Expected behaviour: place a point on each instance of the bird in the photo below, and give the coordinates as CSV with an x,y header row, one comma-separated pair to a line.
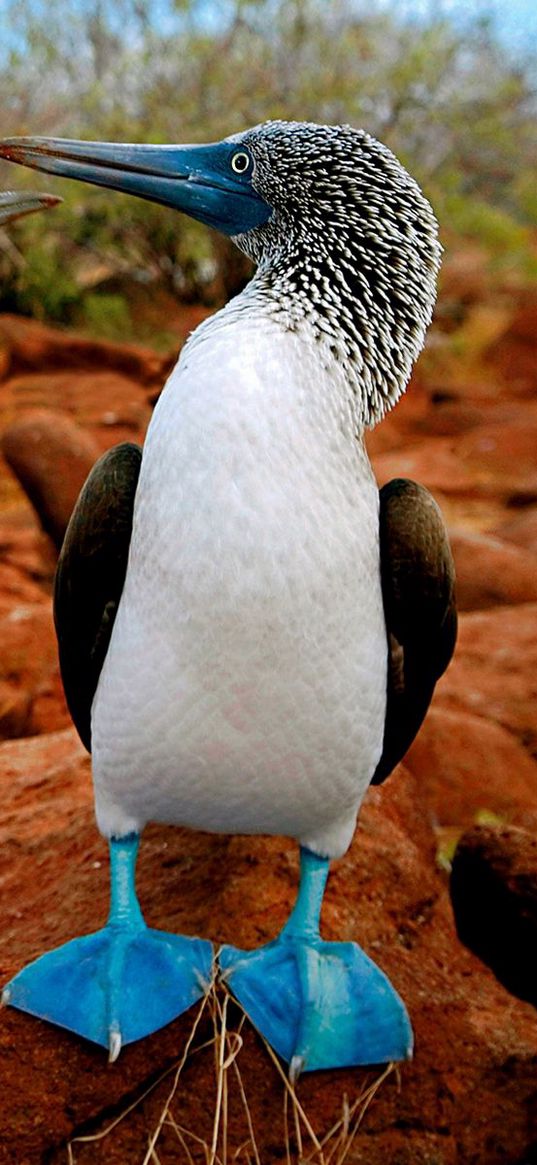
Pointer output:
x,y
15,204
249,631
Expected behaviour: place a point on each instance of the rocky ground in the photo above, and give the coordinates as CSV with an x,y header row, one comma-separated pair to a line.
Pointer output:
x,y
466,797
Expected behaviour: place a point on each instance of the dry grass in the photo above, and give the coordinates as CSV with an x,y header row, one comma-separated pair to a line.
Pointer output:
x,y
301,1144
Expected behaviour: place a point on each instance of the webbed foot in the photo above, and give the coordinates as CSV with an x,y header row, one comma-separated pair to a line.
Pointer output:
x,y
121,983
319,1004
116,985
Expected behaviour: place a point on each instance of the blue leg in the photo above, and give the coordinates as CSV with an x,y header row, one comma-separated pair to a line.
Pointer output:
x,y
319,1005
121,983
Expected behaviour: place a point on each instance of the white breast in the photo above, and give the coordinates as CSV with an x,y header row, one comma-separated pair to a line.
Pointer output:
x,y
244,686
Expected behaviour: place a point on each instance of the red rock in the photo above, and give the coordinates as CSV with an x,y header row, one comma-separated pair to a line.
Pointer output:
x,y
494,895
4,358
33,346
465,764
449,418
385,438
48,709
51,457
461,1100
46,786
513,353
29,665
402,422
14,710
16,586
504,456
24,547
432,463
490,572
497,459
464,276
494,671
520,529
112,407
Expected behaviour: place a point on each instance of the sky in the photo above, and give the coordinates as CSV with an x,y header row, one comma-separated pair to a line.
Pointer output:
x,y
515,21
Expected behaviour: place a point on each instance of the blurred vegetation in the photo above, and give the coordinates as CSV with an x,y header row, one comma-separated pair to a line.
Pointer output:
x,y
449,100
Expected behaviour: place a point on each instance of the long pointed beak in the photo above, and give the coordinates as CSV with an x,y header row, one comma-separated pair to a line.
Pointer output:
x,y
15,204
198,180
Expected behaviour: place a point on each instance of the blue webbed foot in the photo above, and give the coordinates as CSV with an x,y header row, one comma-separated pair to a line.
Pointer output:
x,y
318,1004
121,983
114,986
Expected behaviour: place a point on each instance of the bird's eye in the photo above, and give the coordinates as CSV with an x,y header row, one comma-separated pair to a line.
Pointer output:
x,y
240,162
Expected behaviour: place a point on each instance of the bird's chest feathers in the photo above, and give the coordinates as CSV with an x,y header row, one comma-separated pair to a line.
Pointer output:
x,y
253,598
253,488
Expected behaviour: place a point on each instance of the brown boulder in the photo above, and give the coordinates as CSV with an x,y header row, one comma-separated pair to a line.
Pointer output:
x,y
4,358
494,671
33,346
16,584
466,765
494,895
51,457
466,1097
495,459
29,668
15,706
449,418
24,547
513,352
520,529
490,572
504,456
433,463
111,406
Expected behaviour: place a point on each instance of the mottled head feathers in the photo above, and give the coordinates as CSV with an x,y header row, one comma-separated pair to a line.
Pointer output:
x,y
351,249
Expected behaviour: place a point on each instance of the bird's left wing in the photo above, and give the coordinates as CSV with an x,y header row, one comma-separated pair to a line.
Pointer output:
x,y
90,576
418,588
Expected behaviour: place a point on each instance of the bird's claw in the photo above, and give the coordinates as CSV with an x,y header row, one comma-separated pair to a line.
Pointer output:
x,y
114,1044
295,1068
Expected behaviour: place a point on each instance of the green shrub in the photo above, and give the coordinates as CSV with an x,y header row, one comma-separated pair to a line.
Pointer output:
x,y
105,315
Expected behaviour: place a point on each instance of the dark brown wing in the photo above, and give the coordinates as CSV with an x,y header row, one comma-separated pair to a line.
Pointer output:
x,y
418,587
90,576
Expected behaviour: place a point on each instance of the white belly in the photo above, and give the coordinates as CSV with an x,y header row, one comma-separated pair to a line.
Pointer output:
x,y
244,686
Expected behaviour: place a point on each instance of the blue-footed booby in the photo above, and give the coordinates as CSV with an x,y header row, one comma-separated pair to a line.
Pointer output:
x,y
249,633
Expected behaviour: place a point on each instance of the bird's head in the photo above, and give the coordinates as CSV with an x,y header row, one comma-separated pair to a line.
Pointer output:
x,y
344,239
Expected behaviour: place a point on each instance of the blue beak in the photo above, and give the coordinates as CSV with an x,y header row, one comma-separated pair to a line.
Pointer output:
x,y
198,180
16,204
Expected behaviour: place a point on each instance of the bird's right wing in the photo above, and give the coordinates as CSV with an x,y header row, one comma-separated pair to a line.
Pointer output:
x,y
418,589
90,576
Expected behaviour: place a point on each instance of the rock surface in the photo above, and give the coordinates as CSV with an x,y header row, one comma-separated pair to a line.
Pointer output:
x,y
29,668
521,529
29,346
51,457
467,765
491,573
494,672
476,1047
